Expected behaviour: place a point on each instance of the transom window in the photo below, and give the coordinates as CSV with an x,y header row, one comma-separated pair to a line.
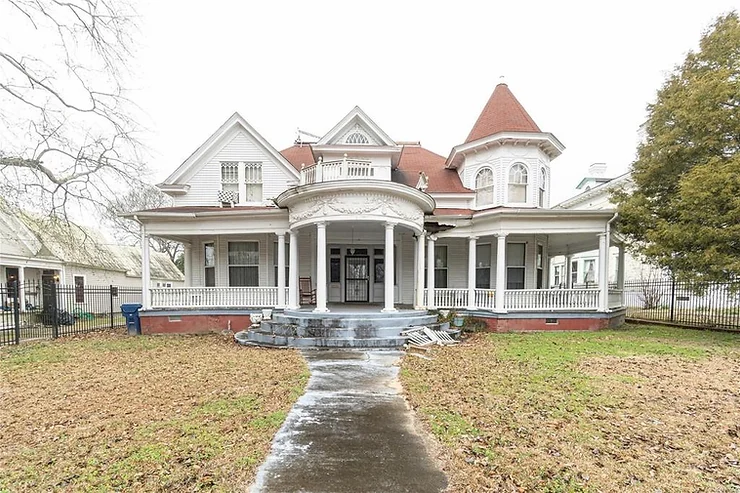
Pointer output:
x,y
515,258
356,138
484,187
518,183
253,180
230,178
244,261
543,185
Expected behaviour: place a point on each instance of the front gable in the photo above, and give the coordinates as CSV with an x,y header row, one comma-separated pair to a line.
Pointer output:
x,y
356,128
198,180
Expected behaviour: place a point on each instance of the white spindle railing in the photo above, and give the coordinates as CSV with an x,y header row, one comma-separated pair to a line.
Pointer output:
x,y
485,299
221,297
551,299
448,298
616,298
343,169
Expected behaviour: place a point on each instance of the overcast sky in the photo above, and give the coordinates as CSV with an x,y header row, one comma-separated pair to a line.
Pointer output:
x,y
422,70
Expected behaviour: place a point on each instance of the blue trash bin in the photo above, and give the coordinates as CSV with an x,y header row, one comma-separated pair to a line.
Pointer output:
x,y
131,314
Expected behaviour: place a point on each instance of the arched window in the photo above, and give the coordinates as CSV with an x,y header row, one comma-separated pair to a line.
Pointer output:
x,y
518,183
484,187
357,138
543,187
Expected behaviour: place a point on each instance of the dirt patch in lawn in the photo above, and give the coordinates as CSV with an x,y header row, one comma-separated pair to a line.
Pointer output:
x,y
635,410
111,412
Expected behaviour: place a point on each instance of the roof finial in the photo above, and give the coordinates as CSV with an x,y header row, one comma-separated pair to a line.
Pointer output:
x,y
501,80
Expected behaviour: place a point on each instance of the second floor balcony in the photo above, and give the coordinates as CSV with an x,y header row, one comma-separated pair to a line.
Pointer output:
x,y
343,169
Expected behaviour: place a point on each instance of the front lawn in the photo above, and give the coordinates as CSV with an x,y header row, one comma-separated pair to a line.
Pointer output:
x,y
111,412
641,409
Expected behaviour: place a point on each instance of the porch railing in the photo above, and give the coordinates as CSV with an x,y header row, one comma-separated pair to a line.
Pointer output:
x,y
220,297
485,299
551,299
343,169
448,298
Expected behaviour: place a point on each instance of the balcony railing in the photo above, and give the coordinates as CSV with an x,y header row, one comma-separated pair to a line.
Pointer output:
x,y
343,169
221,297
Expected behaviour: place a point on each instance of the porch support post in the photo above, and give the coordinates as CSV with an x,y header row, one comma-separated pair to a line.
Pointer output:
x,y
321,267
472,243
603,272
294,272
419,271
500,272
21,288
430,271
620,267
568,273
281,270
145,272
389,268
188,262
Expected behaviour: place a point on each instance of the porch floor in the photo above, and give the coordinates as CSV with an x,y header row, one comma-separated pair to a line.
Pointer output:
x,y
356,308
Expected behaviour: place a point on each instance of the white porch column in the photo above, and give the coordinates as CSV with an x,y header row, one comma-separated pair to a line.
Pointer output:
x,y
293,301
568,271
21,287
603,272
472,242
145,272
620,267
419,271
500,272
281,270
389,268
321,267
430,271
187,256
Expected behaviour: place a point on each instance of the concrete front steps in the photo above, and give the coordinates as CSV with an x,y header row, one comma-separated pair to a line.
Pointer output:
x,y
337,330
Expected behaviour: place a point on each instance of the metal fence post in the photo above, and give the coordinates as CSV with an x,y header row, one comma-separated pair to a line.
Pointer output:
x,y
16,311
673,294
110,293
54,310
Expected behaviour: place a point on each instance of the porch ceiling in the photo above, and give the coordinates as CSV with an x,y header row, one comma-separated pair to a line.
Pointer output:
x,y
564,244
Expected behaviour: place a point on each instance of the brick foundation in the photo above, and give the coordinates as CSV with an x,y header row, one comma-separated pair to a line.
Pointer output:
x,y
540,324
192,324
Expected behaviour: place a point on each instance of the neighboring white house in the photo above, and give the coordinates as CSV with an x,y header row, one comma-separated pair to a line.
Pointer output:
x,y
41,250
476,227
582,268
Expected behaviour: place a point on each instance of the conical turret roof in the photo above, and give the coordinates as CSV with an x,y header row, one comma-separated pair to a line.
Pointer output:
x,y
502,113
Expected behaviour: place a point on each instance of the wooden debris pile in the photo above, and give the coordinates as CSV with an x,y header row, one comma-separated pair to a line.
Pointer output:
x,y
422,339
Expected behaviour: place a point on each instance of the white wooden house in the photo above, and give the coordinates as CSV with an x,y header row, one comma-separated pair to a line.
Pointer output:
x,y
472,232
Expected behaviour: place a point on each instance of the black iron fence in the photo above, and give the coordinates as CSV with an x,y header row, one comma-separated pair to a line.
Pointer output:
x,y
713,305
45,311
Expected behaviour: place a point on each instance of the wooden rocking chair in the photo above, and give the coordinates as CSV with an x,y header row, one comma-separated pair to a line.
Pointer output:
x,y
307,293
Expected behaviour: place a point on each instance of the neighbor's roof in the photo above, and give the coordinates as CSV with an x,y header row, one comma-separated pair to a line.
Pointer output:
x,y
79,245
502,113
415,159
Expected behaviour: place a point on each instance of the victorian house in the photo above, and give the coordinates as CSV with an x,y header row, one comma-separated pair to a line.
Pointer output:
x,y
357,219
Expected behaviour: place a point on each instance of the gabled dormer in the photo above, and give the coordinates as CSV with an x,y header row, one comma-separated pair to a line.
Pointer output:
x,y
234,166
506,157
357,147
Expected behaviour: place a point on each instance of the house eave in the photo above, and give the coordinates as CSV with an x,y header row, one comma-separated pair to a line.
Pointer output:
x,y
545,141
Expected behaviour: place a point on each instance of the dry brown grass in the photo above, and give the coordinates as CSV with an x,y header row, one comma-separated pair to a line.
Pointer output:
x,y
110,412
643,410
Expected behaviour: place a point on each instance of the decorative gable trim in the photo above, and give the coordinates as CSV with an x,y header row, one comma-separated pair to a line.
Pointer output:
x,y
356,121
196,159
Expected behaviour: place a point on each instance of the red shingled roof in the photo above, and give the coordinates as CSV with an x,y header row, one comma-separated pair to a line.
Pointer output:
x,y
415,159
299,154
502,113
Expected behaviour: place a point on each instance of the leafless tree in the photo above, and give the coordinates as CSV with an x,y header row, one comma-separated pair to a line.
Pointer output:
x,y
127,231
68,131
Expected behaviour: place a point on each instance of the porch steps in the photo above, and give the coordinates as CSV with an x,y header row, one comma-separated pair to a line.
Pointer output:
x,y
338,330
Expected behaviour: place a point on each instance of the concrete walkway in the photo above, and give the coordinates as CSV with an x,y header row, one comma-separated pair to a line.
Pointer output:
x,y
350,432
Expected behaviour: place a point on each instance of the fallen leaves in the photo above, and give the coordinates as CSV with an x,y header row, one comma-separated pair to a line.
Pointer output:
x,y
112,412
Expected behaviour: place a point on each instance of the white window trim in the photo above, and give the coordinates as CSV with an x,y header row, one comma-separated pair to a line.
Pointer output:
x,y
493,187
258,264
215,261
243,182
527,185
74,286
523,266
490,263
542,190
